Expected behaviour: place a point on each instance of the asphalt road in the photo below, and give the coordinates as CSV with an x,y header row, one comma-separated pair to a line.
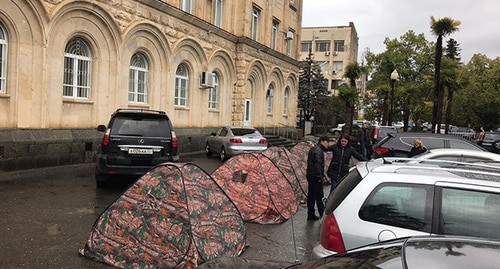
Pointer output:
x,y
46,216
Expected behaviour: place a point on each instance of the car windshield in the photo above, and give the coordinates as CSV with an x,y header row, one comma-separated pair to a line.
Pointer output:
x,y
149,127
243,131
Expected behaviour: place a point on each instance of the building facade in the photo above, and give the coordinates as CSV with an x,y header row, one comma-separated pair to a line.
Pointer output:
x,y
67,65
333,48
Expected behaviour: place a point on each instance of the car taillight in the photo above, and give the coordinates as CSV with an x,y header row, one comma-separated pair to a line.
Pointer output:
x,y
331,238
381,151
481,137
375,133
263,141
235,141
174,140
105,138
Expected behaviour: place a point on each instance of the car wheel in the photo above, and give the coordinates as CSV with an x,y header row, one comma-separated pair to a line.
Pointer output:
x,y
223,156
101,181
496,144
207,150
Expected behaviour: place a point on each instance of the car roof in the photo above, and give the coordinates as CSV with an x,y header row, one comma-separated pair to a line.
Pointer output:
x,y
458,172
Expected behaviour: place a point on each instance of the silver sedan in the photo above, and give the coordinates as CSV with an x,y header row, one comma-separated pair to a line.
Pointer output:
x,y
230,141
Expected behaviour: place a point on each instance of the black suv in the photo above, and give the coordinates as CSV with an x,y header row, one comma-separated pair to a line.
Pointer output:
x,y
135,141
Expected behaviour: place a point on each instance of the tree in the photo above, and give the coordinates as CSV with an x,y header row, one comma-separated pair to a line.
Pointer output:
x,y
440,28
411,55
352,72
312,87
450,72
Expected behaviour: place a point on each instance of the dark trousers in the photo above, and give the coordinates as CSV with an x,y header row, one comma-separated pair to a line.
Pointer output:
x,y
315,195
333,185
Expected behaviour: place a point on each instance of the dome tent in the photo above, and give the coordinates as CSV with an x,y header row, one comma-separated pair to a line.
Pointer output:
x,y
260,190
175,216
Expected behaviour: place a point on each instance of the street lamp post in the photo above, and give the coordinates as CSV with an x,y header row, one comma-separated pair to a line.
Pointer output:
x,y
394,77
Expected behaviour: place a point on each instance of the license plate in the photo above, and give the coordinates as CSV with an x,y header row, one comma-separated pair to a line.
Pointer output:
x,y
140,151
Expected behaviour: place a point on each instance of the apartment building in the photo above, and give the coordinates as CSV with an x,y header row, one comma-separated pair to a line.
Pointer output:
x,y
332,47
67,65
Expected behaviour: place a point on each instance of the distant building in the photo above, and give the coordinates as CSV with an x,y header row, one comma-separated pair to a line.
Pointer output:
x,y
67,65
333,47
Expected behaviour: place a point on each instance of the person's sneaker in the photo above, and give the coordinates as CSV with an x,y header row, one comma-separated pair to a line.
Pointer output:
x,y
313,217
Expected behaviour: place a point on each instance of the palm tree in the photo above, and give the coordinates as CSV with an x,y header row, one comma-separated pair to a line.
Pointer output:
x,y
440,28
352,72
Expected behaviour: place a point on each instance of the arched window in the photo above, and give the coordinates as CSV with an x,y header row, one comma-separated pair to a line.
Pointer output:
x,y
3,60
138,79
270,98
213,93
286,98
77,69
181,85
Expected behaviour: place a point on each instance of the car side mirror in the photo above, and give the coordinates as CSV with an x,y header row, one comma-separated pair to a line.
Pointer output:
x,y
101,128
212,134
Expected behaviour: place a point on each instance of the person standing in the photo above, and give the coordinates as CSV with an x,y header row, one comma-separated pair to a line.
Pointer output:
x,y
364,139
314,174
339,166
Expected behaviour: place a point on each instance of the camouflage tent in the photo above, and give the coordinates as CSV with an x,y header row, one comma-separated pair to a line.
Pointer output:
x,y
260,190
290,166
175,216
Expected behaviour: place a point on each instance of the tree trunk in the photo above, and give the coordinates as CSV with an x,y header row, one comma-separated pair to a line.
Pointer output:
x,y
447,118
438,95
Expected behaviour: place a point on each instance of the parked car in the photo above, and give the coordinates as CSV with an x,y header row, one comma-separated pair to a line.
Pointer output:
x,y
337,131
458,155
399,145
229,141
464,132
134,141
490,141
453,252
381,200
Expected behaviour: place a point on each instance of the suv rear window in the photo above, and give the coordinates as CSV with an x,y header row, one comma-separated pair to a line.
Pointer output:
x,y
148,127
490,136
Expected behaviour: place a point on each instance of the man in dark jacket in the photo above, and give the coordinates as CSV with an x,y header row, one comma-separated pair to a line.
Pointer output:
x,y
364,140
339,166
314,174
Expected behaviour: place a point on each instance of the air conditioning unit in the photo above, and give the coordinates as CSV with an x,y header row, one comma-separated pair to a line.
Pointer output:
x,y
289,35
207,79
327,53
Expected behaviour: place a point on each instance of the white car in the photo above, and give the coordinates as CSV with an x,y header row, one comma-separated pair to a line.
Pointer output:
x,y
381,200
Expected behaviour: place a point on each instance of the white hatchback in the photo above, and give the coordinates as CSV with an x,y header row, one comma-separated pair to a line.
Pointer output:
x,y
381,200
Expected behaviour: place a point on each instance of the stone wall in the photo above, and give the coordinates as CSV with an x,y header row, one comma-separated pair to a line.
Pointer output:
x,y
36,148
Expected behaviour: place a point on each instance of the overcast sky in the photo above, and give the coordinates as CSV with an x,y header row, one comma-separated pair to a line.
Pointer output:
x,y
377,19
